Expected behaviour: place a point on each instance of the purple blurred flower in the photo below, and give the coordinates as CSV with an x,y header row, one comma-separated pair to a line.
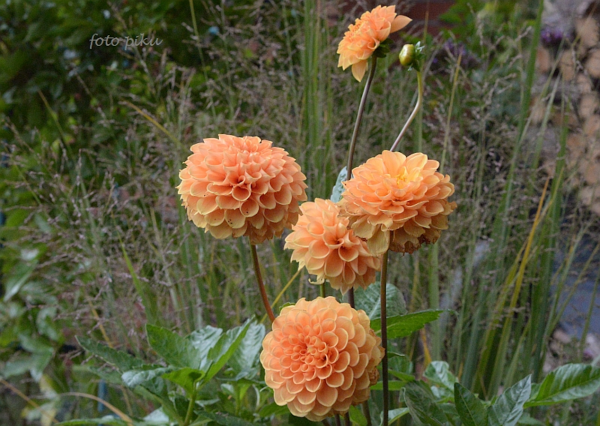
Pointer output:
x,y
552,36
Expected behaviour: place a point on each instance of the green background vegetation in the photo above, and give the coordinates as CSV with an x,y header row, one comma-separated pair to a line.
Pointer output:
x,y
95,244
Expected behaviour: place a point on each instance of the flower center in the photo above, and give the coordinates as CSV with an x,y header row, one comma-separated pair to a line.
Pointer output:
x,y
403,177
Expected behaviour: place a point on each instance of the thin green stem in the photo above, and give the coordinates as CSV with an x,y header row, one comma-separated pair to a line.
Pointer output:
x,y
190,410
359,116
323,290
414,113
434,301
338,420
347,419
384,363
261,284
361,110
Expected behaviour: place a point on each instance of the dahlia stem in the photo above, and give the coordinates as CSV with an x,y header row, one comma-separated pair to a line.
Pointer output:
x,y
361,110
323,291
384,363
414,113
359,116
261,284
338,421
347,419
190,410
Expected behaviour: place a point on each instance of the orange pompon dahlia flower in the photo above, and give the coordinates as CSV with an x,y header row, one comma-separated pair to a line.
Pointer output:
x,y
321,357
365,35
398,202
235,186
322,242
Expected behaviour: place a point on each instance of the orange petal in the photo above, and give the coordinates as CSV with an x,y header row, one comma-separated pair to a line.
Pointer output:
x,y
400,22
358,70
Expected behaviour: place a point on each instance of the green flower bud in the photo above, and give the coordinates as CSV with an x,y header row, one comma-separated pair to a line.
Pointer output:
x,y
407,55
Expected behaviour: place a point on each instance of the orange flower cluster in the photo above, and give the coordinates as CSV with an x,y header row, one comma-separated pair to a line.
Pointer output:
x,y
323,242
235,187
321,357
398,202
365,35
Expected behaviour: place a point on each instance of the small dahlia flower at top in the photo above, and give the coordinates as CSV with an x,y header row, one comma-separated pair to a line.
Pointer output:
x,y
241,186
398,202
365,35
322,241
321,358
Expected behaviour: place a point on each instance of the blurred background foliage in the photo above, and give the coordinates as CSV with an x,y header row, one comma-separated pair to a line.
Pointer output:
x,y
94,243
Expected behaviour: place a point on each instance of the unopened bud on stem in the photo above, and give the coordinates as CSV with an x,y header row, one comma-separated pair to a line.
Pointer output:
x,y
407,55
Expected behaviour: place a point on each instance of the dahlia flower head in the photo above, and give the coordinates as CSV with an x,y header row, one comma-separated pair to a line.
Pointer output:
x,y
323,242
241,186
397,202
321,358
365,35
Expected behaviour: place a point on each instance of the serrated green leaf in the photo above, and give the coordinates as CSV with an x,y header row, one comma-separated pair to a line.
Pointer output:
x,y
121,360
400,362
174,349
571,381
273,409
394,385
357,416
158,418
508,408
338,189
245,358
451,413
109,376
135,378
369,301
185,377
224,349
471,410
160,398
422,407
438,372
526,419
394,414
403,377
405,325
204,340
